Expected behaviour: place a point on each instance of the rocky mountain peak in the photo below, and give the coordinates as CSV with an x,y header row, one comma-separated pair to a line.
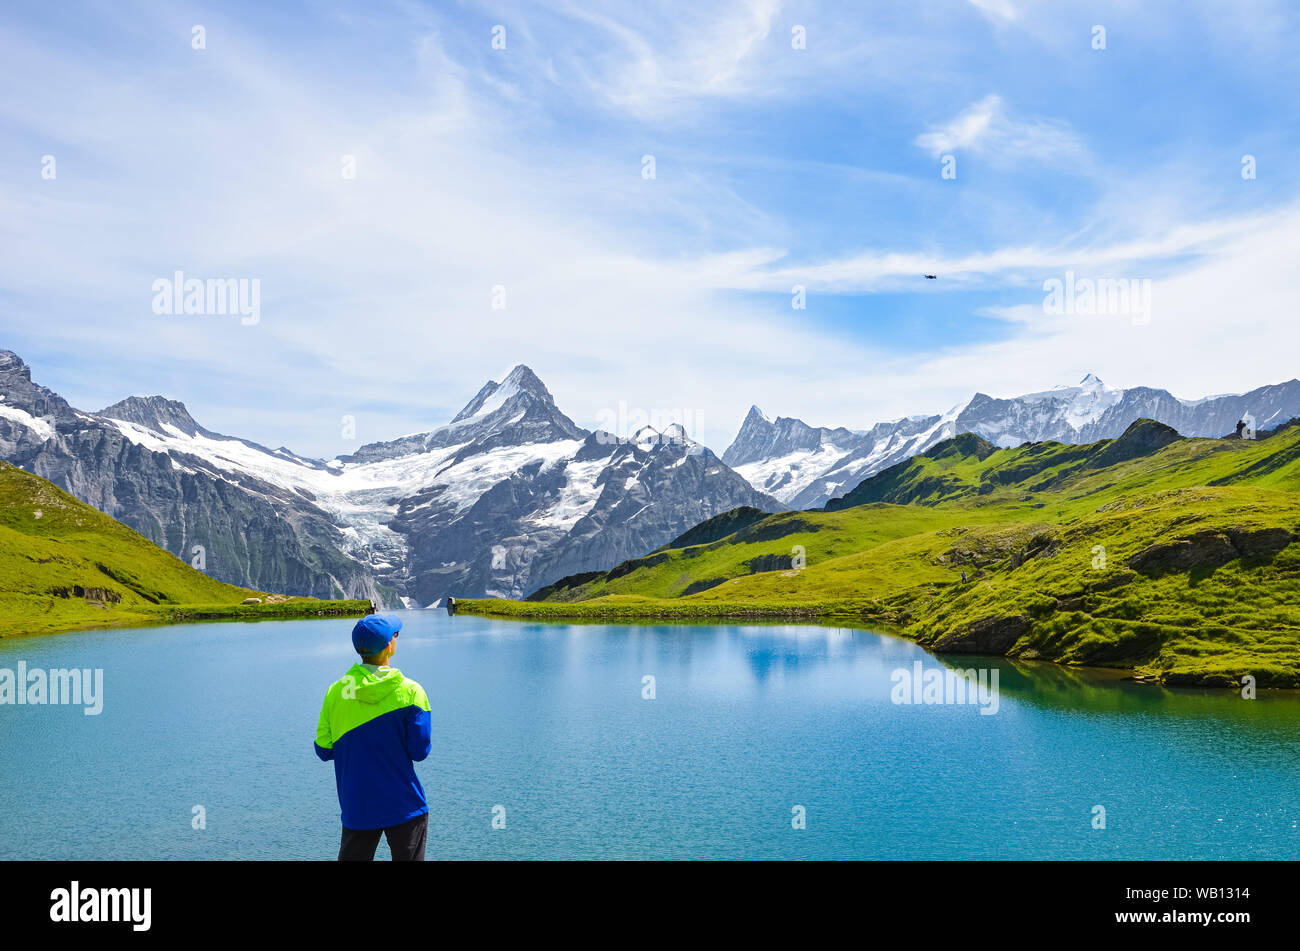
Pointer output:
x,y
524,379
762,437
472,407
492,396
154,412
515,412
17,390
676,433
646,437
11,361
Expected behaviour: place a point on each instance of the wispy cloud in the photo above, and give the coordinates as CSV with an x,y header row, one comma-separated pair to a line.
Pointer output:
x,y
985,128
997,9
655,58
869,271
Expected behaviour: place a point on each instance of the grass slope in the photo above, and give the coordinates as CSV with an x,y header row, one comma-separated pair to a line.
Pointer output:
x,y
1173,556
67,566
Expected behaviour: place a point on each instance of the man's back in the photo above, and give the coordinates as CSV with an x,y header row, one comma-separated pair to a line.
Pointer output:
x,y
373,724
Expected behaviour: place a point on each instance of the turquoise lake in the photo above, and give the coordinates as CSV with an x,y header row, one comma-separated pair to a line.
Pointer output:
x,y
549,721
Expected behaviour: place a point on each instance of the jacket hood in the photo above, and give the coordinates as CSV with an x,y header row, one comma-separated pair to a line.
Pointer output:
x,y
372,686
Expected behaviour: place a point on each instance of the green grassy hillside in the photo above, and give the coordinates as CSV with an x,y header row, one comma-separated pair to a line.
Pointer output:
x,y
1173,556
66,566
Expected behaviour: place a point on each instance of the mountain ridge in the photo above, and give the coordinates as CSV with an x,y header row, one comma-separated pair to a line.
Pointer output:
x,y
805,467
507,491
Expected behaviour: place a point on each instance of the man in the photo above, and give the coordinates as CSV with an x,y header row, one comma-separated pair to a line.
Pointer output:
x,y
374,724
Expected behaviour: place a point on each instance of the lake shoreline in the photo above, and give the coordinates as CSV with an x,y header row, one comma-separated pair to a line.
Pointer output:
x,y
635,610
303,609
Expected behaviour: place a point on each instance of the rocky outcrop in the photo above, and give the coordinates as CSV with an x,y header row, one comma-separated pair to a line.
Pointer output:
x,y
1210,549
704,584
1260,543
761,563
1042,545
993,635
94,595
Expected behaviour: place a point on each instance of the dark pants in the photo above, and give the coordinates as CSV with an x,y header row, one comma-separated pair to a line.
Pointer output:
x,y
406,841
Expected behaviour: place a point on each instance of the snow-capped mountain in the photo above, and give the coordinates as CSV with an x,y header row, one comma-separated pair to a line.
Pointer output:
x,y
805,467
511,495
216,502
506,497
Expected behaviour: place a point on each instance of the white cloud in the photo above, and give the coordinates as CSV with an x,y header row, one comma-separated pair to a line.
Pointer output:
x,y
889,270
985,128
653,58
997,9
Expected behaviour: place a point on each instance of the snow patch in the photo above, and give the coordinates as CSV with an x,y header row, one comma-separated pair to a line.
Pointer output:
x,y
37,425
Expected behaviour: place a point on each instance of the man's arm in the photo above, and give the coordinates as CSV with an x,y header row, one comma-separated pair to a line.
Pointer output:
x,y
324,739
419,727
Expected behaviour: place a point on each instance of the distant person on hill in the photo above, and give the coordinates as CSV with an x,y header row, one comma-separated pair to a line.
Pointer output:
x,y
374,724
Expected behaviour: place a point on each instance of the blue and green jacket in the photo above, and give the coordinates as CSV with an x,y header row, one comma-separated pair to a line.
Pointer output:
x,y
373,724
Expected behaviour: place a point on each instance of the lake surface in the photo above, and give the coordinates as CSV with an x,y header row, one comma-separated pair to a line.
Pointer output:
x,y
549,721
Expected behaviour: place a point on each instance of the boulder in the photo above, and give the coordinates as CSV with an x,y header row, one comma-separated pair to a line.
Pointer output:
x,y
1210,549
1262,543
992,635
760,563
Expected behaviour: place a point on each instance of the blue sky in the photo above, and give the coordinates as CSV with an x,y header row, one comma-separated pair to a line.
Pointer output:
x,y
522,168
